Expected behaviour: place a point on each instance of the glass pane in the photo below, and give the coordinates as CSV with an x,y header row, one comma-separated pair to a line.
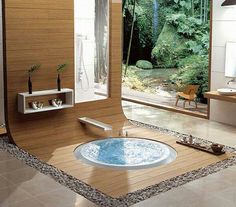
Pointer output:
x,y
91,49
166,53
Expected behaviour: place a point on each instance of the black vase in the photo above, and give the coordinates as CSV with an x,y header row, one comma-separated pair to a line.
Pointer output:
x,y
30,85
58,82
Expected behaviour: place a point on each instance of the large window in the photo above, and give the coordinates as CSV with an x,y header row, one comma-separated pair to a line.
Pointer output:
x,y
166,50
91,49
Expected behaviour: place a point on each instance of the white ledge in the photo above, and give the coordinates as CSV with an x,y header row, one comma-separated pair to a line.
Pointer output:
x,y
95,123
46,92
23,100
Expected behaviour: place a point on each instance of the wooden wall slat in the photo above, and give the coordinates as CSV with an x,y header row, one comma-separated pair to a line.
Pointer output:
x,y
42,31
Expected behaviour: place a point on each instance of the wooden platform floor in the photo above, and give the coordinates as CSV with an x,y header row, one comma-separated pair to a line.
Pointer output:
x,y
2,130
116,183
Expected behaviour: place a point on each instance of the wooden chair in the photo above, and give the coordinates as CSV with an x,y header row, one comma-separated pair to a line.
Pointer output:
x,y
189,94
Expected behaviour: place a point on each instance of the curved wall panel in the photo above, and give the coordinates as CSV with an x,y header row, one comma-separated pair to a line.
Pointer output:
x,y
42,31
1,75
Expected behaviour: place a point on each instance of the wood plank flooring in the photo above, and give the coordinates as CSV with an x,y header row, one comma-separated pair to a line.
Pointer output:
x,y
2,130
116,183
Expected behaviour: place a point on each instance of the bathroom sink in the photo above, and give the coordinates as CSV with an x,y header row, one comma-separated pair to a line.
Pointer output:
x,y
227,91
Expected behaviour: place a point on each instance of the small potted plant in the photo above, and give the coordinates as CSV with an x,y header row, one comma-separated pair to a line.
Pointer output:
x,y
60,69
31,70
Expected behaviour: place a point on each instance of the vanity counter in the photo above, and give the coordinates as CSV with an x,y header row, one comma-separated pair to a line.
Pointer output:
x,y
217,96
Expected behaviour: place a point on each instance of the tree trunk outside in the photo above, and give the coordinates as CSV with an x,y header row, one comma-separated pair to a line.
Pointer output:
x,y
130,40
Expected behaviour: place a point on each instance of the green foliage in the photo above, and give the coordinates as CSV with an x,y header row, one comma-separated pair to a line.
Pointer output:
x,y
182,40
190,27
170,47
186,26
33,68
144,20
193,70
200,45
184,6
137,82
197,8
143,37
144,64
61,67
193,30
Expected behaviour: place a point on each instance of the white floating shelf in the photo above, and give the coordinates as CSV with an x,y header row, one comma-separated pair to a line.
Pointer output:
x,y
23,104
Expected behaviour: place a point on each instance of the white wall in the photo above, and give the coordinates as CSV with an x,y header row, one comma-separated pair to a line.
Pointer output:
x,y
1,73
224,30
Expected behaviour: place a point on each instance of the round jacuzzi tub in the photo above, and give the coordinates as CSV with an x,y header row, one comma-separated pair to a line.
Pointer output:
x,y
126,153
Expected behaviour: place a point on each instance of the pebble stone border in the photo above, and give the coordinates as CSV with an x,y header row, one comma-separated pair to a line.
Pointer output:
x,y
129,199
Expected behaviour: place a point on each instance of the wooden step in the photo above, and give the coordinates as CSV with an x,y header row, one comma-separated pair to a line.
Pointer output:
x,y
95,123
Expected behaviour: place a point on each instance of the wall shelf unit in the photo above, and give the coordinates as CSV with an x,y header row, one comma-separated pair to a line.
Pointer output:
x,y
215,95
66,95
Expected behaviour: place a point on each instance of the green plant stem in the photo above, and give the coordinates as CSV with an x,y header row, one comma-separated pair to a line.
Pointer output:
x,y
193,8
123,5
201,13
130,40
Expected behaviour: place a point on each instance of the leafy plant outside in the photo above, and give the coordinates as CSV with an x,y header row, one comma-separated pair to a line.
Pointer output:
x,y
180,41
